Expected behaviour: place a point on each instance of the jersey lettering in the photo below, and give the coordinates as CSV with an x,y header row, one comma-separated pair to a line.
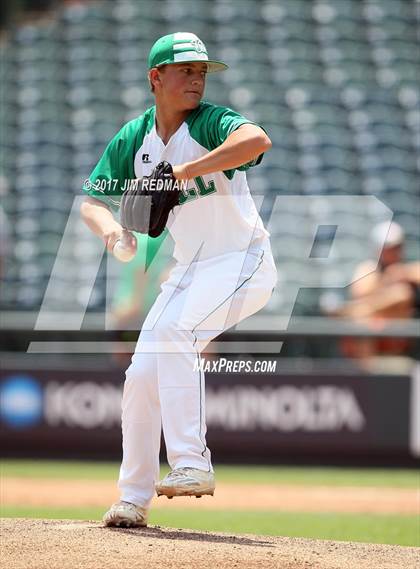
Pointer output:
x,y
201,191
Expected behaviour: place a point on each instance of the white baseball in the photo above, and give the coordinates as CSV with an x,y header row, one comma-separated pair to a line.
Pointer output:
x,y
125,248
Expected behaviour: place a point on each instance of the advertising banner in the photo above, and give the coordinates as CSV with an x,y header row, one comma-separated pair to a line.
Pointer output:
x,y
271,417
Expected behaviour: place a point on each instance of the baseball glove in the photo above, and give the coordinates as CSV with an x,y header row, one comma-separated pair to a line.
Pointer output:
x,y
146,204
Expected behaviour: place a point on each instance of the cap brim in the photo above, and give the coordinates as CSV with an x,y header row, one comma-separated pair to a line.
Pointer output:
x,y
212,65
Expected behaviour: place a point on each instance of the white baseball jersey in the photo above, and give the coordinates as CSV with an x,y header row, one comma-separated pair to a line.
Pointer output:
x,y
217,214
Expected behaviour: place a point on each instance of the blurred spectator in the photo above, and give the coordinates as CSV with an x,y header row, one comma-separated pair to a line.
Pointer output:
x,y
138,287
5,228
5,242
139,283
389,290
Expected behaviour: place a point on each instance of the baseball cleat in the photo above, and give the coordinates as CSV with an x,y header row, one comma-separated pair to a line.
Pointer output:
x,y
125,514
186,482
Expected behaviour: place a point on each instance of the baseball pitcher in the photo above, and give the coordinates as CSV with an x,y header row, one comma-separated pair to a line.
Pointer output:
x,y
188,160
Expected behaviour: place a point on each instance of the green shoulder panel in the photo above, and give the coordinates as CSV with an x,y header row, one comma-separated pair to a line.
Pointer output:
x,y
116,164
210,125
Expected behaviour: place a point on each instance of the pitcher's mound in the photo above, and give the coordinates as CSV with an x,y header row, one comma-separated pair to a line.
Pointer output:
x,y
68,544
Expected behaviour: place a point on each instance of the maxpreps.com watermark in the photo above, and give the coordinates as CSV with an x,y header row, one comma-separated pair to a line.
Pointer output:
x,y
224,365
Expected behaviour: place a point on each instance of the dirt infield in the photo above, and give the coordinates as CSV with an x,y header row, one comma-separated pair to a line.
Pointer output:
x,y
44,492
64,544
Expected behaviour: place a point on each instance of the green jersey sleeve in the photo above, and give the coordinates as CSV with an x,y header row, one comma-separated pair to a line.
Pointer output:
x,y
116,165
222,121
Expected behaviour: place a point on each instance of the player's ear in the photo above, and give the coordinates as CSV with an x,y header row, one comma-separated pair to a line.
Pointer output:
x,y
154,78
149,77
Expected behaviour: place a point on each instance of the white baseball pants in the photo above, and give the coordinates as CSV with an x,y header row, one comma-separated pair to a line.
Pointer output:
x,y
162,388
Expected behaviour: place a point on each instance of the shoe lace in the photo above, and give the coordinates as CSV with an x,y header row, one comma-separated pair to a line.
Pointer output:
x,y
126,504
179,472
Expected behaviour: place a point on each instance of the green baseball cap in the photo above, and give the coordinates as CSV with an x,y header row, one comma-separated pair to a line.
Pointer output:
x,y
182,47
